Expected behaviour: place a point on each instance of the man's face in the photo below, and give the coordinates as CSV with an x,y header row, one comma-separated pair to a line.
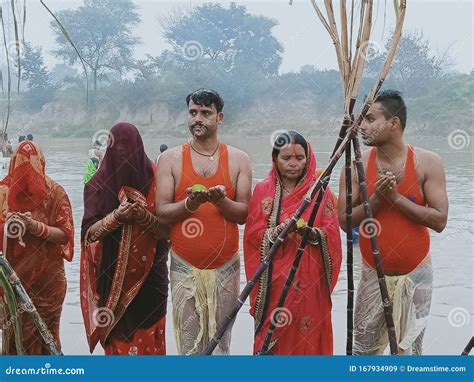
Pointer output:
x,y
291,161
374,127
203,120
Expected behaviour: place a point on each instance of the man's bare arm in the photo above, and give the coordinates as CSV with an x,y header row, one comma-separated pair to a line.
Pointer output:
x,y
167,211
236,211
435,214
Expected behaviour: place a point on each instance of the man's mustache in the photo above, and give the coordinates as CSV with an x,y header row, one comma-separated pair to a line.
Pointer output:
x,y
199,125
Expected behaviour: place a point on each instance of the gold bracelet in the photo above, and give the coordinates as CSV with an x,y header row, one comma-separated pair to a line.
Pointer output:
x,y
186,206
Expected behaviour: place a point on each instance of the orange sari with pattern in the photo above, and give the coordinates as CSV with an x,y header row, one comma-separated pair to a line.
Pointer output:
x,y
39,264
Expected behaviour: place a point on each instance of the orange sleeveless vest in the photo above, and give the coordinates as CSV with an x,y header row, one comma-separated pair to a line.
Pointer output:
x,y
206,239
403,243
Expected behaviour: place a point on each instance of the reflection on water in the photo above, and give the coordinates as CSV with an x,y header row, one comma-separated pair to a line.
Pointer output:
x,y
450,324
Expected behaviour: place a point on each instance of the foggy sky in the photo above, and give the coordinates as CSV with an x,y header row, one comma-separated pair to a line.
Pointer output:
x,y
447,25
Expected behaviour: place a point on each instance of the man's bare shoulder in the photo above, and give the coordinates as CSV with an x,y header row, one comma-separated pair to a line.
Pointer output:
x,y
237,154
171,156
425,157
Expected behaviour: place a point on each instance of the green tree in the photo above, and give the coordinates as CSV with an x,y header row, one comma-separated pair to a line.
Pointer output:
x,y
102,32
37,77
226,37
414,66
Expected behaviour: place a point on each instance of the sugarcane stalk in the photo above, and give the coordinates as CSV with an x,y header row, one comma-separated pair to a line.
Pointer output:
x,y
324,175
13,315
468,347
9,77
294,267
387,304
28,306
349,259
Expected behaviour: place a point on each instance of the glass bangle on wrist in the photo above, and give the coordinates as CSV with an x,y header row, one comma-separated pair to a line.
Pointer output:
x,y
186,206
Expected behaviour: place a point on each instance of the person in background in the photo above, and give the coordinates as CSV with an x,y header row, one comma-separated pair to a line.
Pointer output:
x,y
163,148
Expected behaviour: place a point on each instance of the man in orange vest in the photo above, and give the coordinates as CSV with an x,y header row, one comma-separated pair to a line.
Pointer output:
x,y
203,188
407,189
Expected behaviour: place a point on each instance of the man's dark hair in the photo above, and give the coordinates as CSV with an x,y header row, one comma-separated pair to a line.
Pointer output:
x,y
163,148
29,137
393,105
206,97
21,138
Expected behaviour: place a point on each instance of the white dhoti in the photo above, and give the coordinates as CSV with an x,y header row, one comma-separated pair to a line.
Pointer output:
x,y
201,298
411,300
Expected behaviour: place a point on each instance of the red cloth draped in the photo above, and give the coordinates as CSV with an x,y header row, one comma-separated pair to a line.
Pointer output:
x,y
149,341
40,264
307,326
124,277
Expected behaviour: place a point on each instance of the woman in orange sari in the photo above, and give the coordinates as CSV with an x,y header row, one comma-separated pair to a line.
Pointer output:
x,y
28,195
304,325
124,278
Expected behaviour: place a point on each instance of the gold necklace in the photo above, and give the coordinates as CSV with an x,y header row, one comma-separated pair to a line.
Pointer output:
x,y
398,175
211,156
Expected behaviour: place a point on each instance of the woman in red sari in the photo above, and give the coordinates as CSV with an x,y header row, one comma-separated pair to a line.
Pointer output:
x,y
304,324
37,257
124,278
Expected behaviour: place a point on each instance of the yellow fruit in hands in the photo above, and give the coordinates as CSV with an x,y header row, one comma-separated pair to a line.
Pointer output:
x,y
198,187
300,224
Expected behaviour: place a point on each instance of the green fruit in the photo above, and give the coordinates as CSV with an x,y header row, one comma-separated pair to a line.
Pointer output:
x,y
300,223
198,187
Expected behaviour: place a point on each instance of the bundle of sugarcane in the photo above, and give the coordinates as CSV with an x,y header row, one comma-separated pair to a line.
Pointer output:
x,y
351,69
14,290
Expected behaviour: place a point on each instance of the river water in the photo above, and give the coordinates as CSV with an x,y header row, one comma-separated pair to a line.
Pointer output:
x,y
451,318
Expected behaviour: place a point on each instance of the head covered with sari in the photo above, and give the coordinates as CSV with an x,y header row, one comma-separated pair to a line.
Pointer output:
x,y
26,179
38,263
106,280
268,208
27,188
